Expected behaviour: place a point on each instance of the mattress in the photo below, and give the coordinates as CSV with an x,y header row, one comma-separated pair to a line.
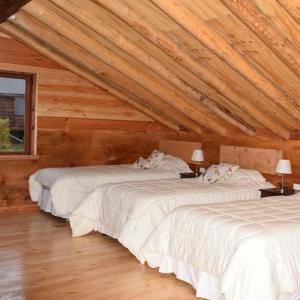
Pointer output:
x,y
69,186
250,248
130,211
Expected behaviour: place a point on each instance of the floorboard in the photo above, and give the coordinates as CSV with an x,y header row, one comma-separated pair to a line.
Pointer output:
x,y
39,261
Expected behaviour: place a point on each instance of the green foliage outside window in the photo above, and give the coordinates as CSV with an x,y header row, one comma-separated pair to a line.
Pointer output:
x,y
4,134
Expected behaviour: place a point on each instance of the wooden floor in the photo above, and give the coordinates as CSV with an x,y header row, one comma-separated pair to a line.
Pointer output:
x,y
40,260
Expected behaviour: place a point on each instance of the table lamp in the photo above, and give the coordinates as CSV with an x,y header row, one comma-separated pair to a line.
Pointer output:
x,y
197,156
283,167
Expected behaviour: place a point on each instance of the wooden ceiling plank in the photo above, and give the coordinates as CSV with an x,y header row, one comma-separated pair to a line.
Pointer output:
x,y
25,38
82,12
197,83
228,53
245,89
184,73
292,7
181,103
88,13
10,7
60,44
250,14
82,59
160,39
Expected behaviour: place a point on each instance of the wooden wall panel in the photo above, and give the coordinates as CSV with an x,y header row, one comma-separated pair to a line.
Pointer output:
x,y
95,107
78,124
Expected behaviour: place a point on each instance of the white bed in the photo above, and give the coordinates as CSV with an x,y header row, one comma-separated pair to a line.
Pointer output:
x,y
232,251
130,211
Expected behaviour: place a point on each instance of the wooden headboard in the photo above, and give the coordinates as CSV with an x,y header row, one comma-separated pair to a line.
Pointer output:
x,y
179,149
263,160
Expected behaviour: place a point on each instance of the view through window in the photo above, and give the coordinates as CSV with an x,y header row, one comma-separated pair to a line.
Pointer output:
x,y
15,113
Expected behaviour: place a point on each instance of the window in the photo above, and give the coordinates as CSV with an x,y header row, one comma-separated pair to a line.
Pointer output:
x,y
16,120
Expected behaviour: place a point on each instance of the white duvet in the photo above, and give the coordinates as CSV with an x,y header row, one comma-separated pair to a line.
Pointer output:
x,y
130,211
252,248
65,188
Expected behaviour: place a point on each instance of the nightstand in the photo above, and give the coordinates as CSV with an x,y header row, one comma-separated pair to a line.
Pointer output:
x,y
275,192
188,175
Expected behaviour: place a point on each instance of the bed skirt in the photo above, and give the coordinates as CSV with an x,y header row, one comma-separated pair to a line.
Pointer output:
x,y
45,203
42,197
205,284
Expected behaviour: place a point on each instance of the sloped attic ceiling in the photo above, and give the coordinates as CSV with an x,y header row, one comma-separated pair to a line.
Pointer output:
x,y
200,65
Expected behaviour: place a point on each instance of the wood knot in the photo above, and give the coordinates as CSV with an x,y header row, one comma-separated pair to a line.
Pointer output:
x,y
3,199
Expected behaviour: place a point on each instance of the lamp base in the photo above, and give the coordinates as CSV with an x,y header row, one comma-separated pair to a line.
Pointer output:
x,y
197,170
282,184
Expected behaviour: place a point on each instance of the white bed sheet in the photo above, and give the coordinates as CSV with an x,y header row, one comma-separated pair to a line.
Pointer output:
x,y
242,250
130,211
69,186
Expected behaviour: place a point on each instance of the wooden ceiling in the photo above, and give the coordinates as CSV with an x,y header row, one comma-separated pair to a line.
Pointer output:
x,y
209,65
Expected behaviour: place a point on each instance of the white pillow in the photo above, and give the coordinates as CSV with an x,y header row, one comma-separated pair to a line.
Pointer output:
x,y
155,158
141,163
172,163
210,175
245,176
218,173
226,170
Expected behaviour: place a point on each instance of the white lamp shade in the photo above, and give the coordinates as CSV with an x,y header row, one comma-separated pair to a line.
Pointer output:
x,y
283,167
198,155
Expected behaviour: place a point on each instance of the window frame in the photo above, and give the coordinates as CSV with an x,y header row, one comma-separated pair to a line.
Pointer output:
x,y
28,115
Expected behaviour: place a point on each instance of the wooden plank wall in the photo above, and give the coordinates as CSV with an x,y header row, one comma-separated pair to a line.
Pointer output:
x,y
78,124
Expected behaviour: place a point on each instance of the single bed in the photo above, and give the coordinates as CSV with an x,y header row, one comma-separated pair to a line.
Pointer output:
x,y
231,251
60,190
130,211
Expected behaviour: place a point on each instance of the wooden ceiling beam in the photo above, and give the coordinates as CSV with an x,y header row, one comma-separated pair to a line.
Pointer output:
x,y
229,54
82,12
37,45
160,39
249,13
246,128
180,102
55,43
10,7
